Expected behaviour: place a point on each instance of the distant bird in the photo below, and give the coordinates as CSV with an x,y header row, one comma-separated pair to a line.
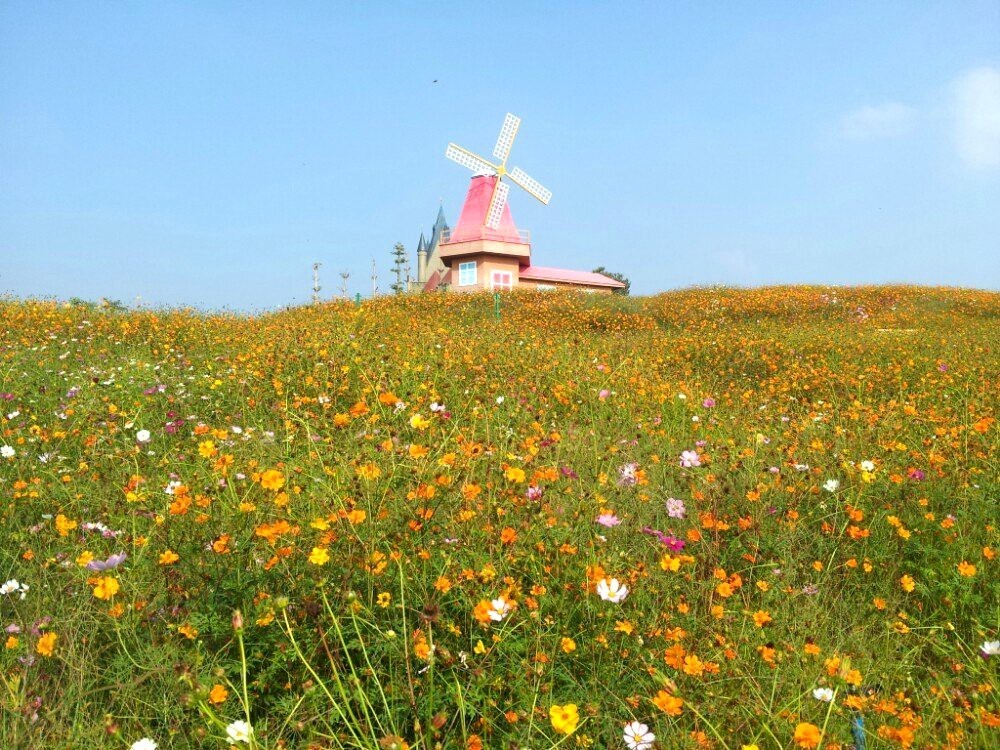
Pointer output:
x,y
435,80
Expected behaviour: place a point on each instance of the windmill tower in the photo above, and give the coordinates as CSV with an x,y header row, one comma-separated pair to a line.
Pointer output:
x,y
486,250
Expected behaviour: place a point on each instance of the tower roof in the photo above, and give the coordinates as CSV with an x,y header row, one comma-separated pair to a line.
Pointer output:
x,y
422,245
440,224
472,221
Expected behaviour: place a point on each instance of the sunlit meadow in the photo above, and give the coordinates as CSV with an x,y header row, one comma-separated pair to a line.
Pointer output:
x,y
705,519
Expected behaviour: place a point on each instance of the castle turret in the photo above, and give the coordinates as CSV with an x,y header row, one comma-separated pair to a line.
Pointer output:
x,y
422,260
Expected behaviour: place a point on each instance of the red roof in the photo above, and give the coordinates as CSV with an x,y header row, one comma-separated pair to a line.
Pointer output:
x,y
540,273
437,279
471,223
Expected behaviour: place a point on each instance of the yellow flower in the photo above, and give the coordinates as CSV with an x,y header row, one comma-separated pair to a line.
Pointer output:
x,y
64,525
272,479
564,718
206,449
106,587
568,645
12,642
514,474
419,422
907,583
46,645
319,556
169,557
217,694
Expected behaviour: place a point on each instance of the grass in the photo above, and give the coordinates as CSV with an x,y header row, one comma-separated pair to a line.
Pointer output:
x,y
376,526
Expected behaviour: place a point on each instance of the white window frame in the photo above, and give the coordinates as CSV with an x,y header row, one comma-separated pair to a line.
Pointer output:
x,y
468,274
501,285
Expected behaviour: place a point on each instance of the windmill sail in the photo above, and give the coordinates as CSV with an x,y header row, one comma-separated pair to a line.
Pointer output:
x,y
469,159
507,134
532,186
497,204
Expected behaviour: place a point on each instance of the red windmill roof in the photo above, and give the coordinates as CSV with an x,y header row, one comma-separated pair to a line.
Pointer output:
x,y
471,223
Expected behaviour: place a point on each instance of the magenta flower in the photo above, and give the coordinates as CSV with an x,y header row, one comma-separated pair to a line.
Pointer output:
x,y
708,403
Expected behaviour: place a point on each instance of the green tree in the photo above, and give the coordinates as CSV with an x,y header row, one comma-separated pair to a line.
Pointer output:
x,y
617,277
399,268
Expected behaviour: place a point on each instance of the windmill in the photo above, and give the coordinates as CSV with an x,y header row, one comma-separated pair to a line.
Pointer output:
x,y
501,151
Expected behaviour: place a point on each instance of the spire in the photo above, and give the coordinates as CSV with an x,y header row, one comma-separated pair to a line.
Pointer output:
x,y
440,224
422,245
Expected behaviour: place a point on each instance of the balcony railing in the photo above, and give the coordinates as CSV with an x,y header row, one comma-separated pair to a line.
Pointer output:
x,y
521,235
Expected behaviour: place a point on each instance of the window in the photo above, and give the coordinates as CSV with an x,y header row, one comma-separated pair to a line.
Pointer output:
x,y
502,280
467,273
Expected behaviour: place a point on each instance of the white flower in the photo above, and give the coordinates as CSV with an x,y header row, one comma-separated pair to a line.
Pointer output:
x,y
239,731
143,437
868,466
499,609
802,467
10,587
6,451
144,744
499,400
612,591
638,737
823,694
990,648
831,485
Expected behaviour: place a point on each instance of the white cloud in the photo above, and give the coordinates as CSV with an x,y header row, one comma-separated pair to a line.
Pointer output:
x,y
884,121
977,117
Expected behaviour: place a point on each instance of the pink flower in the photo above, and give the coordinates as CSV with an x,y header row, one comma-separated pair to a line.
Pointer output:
x,y
708,403
534,492
608,519
675,508
690,459
604,394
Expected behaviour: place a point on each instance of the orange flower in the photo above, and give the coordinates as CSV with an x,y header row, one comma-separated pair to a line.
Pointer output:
x,y
272,479
761,618
508,535
217,695
966,569
907,583
807,735
671,705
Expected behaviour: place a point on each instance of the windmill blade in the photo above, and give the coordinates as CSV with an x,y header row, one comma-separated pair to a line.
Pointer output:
x,y
497,203
532,186
469,159
507,133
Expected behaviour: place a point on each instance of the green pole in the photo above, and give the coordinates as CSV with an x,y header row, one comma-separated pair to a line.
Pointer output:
x,y
357,299
496,305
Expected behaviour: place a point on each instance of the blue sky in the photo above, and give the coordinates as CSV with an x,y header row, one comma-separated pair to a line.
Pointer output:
x,y
206,153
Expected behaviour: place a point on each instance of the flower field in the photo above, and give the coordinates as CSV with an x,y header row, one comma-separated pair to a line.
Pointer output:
x,y
705,519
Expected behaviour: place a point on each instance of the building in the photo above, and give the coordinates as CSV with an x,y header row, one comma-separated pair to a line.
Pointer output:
x,y
474,257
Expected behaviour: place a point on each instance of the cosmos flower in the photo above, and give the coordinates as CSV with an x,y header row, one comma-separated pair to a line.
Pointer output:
x,y
144,744
239,731
608,519
675,508
868,466
499,609
142,436
989,648
824,694
690,459
831,485
612,590
99,566
564,718
7,452
638,737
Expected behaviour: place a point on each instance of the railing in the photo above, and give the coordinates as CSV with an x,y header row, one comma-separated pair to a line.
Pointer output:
x,y
521,235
